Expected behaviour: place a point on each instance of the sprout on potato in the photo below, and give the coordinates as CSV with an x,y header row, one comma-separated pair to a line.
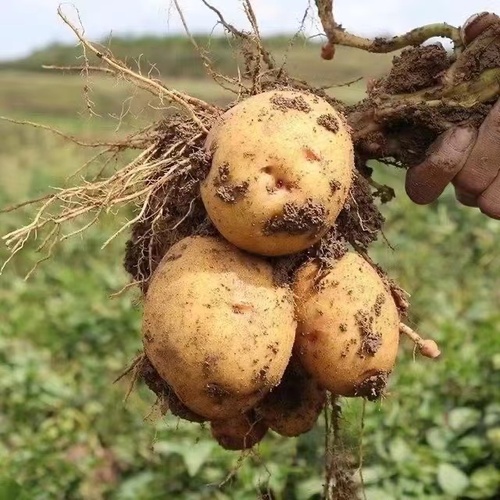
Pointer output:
x,y
348,333
281,170
216,327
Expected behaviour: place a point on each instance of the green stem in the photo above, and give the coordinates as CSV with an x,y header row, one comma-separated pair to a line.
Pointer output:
x,y
338,36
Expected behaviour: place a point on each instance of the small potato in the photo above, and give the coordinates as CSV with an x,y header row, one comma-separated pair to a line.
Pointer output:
x,y
281,170
293,407
216,328
348,332
239,433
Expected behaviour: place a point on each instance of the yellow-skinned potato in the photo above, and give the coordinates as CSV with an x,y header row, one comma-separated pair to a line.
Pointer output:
x,y
348,332
240,432
293,407
169,402
281,170
215,326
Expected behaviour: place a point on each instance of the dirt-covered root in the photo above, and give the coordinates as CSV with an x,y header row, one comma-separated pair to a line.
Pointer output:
x,y
427,91
340,465
173,208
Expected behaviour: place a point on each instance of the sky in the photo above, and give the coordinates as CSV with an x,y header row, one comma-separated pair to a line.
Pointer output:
x,y
26,25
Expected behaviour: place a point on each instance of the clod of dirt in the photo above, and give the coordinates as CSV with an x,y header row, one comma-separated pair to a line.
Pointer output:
x,y
415,69
370,339
379,302
335,186
298,219
329,122
284,104
232,193
373,387
360,221
284,268
401,129
223,174
176,210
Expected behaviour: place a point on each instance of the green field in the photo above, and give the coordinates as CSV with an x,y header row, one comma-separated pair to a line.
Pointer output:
x,y
65,432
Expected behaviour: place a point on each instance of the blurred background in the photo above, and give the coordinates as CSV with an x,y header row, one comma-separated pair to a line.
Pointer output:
x,y
65,432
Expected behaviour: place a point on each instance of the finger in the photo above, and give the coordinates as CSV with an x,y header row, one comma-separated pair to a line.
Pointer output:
x,y
477,24
489,201
483,163
466,199
426,181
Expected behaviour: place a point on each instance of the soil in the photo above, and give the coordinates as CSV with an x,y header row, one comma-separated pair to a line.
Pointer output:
x,y
400,132
298,219
285,103
379,302
330,248
329,122
370,339
373,387
284,268
360,221
415,69
232,193
174,211
227,192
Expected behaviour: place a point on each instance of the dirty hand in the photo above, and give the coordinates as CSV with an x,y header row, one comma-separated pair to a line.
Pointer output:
x,y
464,156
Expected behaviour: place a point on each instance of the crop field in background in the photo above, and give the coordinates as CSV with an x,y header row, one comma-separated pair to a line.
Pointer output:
x,y
65,432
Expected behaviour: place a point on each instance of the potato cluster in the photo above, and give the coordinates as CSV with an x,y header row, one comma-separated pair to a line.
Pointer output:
x,y
236,347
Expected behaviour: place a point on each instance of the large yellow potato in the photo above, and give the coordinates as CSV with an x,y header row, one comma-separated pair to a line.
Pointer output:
x,y
348,332
293,407
216,328
281,170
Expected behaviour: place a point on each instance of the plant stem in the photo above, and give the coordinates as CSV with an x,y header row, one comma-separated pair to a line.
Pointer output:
x,y
338,36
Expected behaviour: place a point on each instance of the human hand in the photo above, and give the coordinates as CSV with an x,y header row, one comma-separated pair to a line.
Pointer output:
x,y
464,156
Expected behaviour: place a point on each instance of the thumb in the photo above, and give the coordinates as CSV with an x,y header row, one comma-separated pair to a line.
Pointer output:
x,y
426,182
477,24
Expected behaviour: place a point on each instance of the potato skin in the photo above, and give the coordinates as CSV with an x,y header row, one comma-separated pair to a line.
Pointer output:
x,y
348,332
281,170
216,328
293,407
169,402
241,432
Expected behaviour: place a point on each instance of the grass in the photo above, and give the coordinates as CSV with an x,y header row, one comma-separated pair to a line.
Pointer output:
x,y
60,98
64,432
174,57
